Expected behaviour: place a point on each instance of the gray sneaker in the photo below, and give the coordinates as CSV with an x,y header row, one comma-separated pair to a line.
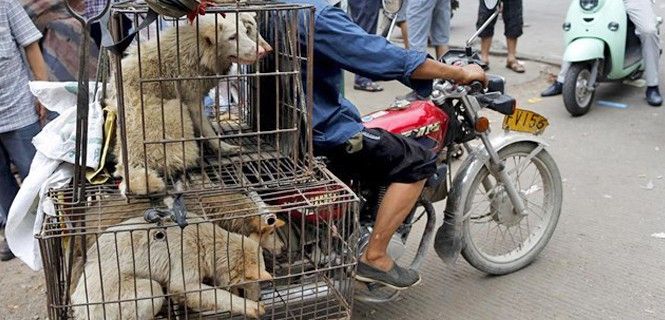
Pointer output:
x,y
5,253
397,278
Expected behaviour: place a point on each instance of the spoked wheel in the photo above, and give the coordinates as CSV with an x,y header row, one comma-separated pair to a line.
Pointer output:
x,y
496,239
577,97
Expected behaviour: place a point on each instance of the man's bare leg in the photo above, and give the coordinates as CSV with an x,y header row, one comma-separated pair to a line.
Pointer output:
x,y
404,27
395,207
441,50
485,45
511,43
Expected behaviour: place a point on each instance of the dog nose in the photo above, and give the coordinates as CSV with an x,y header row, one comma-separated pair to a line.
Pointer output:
x,y
261,51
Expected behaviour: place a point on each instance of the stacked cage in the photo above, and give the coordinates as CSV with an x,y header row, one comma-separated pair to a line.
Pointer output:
x,y
217,207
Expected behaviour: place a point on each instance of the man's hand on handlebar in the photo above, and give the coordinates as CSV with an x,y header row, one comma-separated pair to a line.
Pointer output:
x,y
432,69
471,73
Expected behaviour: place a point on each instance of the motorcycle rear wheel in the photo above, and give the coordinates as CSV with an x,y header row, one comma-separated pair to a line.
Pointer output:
x,y
489,215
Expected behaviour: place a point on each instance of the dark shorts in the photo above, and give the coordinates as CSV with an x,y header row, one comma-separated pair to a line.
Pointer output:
x,y
379,157
512,19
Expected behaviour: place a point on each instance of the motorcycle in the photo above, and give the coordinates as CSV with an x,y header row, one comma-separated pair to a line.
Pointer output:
x,y
502,205
601,46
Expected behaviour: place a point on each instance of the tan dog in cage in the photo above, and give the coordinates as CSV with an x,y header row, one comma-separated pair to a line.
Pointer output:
x,y
237,212
133,261
168,113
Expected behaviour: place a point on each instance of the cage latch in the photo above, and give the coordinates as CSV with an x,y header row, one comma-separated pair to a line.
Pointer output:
x,y
179,212
154,215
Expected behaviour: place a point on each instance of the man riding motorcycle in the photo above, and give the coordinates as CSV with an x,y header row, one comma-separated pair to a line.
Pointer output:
x,y
373,154
642,14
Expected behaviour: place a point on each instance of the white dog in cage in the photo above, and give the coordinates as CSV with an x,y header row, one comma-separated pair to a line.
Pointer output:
x,y
131,263
164,83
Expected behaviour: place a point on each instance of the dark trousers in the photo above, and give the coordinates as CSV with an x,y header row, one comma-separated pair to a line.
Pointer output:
x,y
365,13
512,19
15,147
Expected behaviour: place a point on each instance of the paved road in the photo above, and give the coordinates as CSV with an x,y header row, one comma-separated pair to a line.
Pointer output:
x,y
602,262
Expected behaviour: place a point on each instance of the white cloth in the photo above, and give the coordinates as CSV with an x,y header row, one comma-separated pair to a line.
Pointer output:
x,y
52,166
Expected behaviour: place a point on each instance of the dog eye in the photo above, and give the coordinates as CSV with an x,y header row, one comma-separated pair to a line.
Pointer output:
x,y
233,37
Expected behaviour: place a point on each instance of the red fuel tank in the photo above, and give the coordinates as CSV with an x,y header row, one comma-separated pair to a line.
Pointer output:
x,y
418,119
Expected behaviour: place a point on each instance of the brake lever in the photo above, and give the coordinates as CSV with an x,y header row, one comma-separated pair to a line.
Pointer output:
x,y
476,87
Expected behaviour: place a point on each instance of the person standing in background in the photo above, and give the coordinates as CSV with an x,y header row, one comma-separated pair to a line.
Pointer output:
x,y
365,13
513,23
20,114
402,23
429,19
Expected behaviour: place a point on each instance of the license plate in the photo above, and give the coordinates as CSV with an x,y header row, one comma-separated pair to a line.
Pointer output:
x,y
525,121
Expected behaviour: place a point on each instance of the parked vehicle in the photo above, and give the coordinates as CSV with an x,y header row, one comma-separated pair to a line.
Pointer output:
x,y
601,46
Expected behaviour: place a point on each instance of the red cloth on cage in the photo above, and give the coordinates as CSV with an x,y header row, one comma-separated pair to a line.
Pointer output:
x,y
200,10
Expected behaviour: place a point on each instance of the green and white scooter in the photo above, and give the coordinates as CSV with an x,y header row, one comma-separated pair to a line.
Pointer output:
x,y
601,46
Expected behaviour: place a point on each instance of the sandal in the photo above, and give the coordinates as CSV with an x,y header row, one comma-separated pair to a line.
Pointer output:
x,y
515,66
369,86
486,65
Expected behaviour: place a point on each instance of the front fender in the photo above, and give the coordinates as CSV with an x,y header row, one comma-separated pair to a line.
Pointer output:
x,y
448,241
584,49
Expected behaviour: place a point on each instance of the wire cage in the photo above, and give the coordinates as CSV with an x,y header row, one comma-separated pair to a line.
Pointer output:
x,y
274,254
222,95
218,208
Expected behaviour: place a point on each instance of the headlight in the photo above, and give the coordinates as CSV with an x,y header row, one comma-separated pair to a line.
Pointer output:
x,y
588,5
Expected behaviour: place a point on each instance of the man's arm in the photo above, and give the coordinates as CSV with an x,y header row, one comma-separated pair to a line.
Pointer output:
x,y
432,69
341,40
33,54
35,59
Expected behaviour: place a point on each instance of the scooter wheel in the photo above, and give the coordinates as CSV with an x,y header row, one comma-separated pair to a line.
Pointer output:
x,y
576,94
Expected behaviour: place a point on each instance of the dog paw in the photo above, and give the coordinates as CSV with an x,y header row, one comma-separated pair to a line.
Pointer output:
x,y
249,308
226,149
255,309
142,183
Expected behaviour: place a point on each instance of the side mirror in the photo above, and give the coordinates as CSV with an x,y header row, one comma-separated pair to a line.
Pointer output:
x,y
490,4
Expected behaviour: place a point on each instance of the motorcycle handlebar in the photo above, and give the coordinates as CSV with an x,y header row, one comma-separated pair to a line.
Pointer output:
x,y
501,103
476,87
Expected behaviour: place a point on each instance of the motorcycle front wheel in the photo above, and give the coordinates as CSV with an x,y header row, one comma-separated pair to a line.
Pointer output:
x,y
496,239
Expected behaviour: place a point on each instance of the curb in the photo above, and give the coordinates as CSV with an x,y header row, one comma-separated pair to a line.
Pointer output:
x,y
549,60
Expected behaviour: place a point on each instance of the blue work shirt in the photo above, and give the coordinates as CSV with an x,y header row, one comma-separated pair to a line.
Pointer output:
x,y
340,44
